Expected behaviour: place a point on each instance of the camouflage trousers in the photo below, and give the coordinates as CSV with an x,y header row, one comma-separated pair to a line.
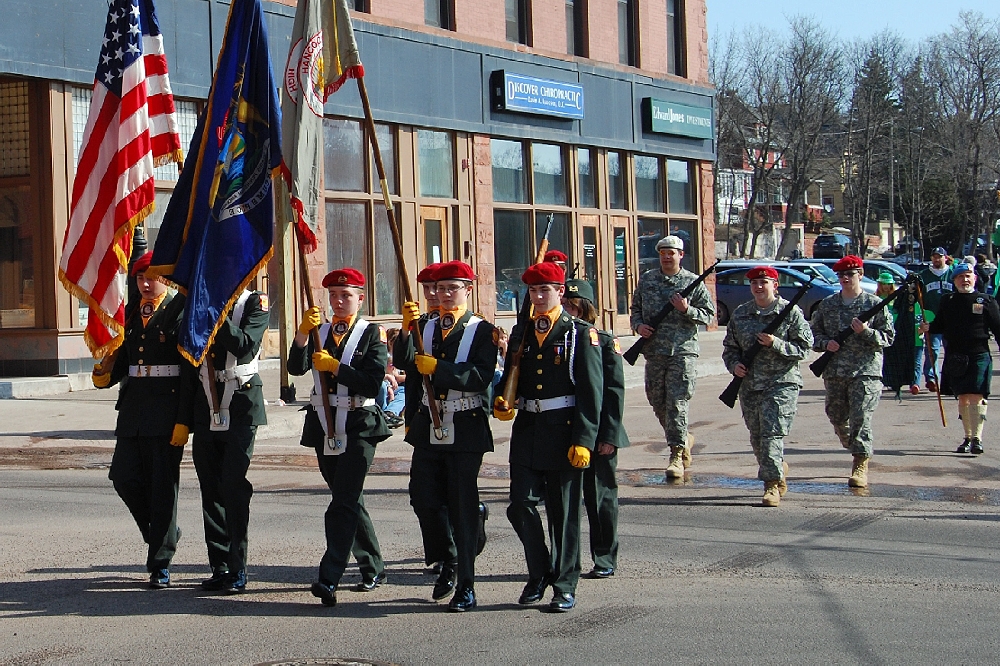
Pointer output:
x,y
850,405
768,415
669,387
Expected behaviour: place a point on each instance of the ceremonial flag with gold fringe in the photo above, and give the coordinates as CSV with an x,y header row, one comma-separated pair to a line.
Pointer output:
x,y
323,56
218,231
130,129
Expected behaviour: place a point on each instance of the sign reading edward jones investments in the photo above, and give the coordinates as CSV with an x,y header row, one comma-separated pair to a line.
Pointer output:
x,y
669,118
526,94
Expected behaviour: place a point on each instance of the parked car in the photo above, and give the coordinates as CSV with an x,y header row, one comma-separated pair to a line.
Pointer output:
x,y
906,246
872,269
868,285
733,288
831,245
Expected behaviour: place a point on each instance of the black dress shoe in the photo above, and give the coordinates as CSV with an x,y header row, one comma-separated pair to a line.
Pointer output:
x,y
562,602
963,447
445,583
218,580
325,593
534,590
601,572
159,579
369,585
977,446
464,599
236,583
484,515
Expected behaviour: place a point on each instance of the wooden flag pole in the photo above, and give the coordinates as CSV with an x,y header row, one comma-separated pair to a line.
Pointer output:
x,y
397,242
314,335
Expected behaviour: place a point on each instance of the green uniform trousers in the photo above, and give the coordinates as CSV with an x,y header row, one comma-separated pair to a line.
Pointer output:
x,y
562,490
600,496
145,472
366,549
222,460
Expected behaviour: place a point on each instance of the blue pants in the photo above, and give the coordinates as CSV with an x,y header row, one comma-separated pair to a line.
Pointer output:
x,y
933,357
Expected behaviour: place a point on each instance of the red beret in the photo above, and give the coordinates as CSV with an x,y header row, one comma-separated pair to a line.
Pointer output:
x,y
848,263
758,272
546,272
454,270
427,273
142,263
555,255
344,277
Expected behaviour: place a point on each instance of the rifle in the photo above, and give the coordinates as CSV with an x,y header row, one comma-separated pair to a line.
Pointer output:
x,y
728,396
819,365
509,392
632,353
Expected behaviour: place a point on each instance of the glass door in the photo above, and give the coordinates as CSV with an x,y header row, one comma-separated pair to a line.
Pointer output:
x,y
624,277
435,236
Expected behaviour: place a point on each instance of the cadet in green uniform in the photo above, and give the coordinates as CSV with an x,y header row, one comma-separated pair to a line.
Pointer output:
x,y
354,358
770,390
459,355
600,486
853,379
145,468
559,410
224,441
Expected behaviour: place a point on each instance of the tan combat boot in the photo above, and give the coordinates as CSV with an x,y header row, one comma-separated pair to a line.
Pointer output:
x,y
687,451
772,493
859,472
783,484
675,469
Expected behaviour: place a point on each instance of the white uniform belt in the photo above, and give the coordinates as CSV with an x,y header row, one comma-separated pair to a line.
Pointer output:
x,y
154,371
458,404
247,370
348,402
546,404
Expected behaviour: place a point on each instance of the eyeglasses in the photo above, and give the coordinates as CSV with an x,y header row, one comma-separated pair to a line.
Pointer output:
x,y
848,273
450,288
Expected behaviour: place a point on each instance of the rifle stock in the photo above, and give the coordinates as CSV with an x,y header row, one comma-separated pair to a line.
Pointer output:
x,y
732,391
631,355
818,366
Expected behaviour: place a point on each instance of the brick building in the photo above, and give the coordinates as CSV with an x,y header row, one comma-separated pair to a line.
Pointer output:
x,y
491,114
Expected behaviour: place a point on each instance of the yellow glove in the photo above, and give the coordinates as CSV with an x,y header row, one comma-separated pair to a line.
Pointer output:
x,y
101,380
579,456
411,313
426,365
180,436
323,362
502,410
310,320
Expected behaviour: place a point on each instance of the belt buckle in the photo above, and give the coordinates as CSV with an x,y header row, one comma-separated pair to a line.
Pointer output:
x,y
538,405
145,369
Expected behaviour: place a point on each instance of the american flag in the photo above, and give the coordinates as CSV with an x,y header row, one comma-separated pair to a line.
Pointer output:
x,y
131,127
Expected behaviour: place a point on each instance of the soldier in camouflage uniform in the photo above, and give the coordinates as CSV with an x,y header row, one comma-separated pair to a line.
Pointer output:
x,y
853,379
770,388
672,347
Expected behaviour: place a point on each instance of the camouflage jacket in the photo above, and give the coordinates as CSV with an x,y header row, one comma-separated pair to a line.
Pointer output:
x,y
677,335
861,354
778,364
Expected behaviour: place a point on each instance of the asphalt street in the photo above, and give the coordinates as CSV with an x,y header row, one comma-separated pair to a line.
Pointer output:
x,y
903,573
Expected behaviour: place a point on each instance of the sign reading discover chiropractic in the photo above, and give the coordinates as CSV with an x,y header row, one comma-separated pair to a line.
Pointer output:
x,y
526,94
677,119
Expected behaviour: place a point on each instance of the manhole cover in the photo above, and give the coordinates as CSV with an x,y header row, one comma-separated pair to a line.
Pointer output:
x,y
328,661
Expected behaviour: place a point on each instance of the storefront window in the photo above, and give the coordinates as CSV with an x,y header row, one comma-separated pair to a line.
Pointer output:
x,y
386,290
650,230
616,181
648,184
343,161
685,229
17,272
510,184
586,171
549,174
512,252
348,220
679,186
437,164
387,147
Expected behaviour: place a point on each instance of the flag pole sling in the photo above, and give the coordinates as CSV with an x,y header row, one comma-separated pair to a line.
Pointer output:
x,y
397,243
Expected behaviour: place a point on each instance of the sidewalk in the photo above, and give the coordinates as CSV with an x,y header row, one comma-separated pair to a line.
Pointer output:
x,y
913,453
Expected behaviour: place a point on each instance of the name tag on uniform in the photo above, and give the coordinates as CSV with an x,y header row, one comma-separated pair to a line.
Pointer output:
x,y
977,308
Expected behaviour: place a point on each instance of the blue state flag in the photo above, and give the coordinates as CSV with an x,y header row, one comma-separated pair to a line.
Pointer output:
x,y
218,229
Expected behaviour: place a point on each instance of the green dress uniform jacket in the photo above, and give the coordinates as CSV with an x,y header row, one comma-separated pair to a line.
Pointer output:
x,y
475,375
542,440
148,406
362,375
610,429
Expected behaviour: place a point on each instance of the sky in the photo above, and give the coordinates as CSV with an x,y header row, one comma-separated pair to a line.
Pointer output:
x,y
913,20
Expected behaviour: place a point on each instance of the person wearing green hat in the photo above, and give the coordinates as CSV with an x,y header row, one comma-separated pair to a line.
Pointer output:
x,y
896,364
600,488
